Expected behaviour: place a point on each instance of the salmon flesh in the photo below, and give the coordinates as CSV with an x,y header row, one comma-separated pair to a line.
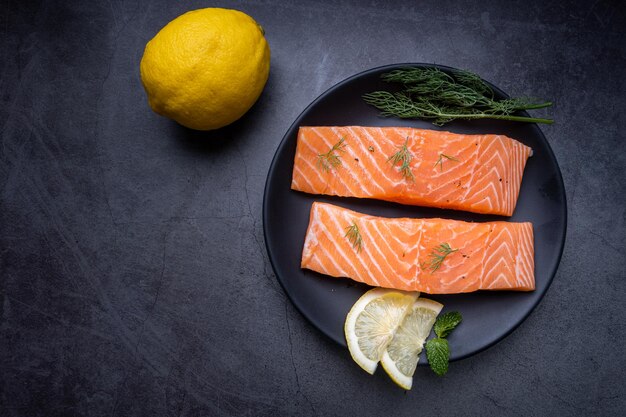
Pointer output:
x,y
476,173
434,256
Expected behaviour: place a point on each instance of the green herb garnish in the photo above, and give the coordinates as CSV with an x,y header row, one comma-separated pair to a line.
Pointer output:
x,y
403,158
431,94
354,236
440,160
446,323
437,348
438,354
331,159
437,256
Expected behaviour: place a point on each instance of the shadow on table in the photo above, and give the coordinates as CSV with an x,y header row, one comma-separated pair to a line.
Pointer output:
x,y
220,139
205,141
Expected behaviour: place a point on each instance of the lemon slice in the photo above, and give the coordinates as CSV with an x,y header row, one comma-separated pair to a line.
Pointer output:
x,y
401,356
372,323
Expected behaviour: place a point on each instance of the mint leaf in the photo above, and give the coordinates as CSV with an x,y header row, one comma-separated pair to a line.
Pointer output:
x,y
446,323
438,353
437,349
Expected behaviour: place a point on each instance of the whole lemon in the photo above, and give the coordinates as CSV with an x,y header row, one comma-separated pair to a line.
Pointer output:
x,y
206,68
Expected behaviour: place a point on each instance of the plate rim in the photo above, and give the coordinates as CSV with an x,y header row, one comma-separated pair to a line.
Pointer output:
x,y
330,90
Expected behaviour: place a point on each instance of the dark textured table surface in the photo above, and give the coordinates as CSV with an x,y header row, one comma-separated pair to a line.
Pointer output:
x,y
134,277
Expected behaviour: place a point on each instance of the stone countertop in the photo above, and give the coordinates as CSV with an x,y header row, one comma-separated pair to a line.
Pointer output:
x,y
134,277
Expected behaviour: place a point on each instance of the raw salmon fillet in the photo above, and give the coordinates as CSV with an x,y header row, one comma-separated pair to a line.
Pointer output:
x,y
398,253
477,173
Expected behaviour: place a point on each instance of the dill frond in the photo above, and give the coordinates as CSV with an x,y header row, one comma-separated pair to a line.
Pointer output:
x,y
354,236
330,159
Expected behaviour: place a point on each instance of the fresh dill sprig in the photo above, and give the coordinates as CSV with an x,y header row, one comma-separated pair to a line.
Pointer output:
x,y
403,158
431,94
437,256
473,81
440,160
330,159
416,75
354,236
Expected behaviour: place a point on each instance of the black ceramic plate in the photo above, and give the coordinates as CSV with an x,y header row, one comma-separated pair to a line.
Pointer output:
x,y
325,301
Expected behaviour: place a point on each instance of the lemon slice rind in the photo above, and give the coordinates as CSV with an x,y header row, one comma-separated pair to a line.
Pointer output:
x,y
389,364
369,364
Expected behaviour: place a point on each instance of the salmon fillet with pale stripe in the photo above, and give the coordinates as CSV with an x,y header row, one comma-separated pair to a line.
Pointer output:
x,y
434,256
477,173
